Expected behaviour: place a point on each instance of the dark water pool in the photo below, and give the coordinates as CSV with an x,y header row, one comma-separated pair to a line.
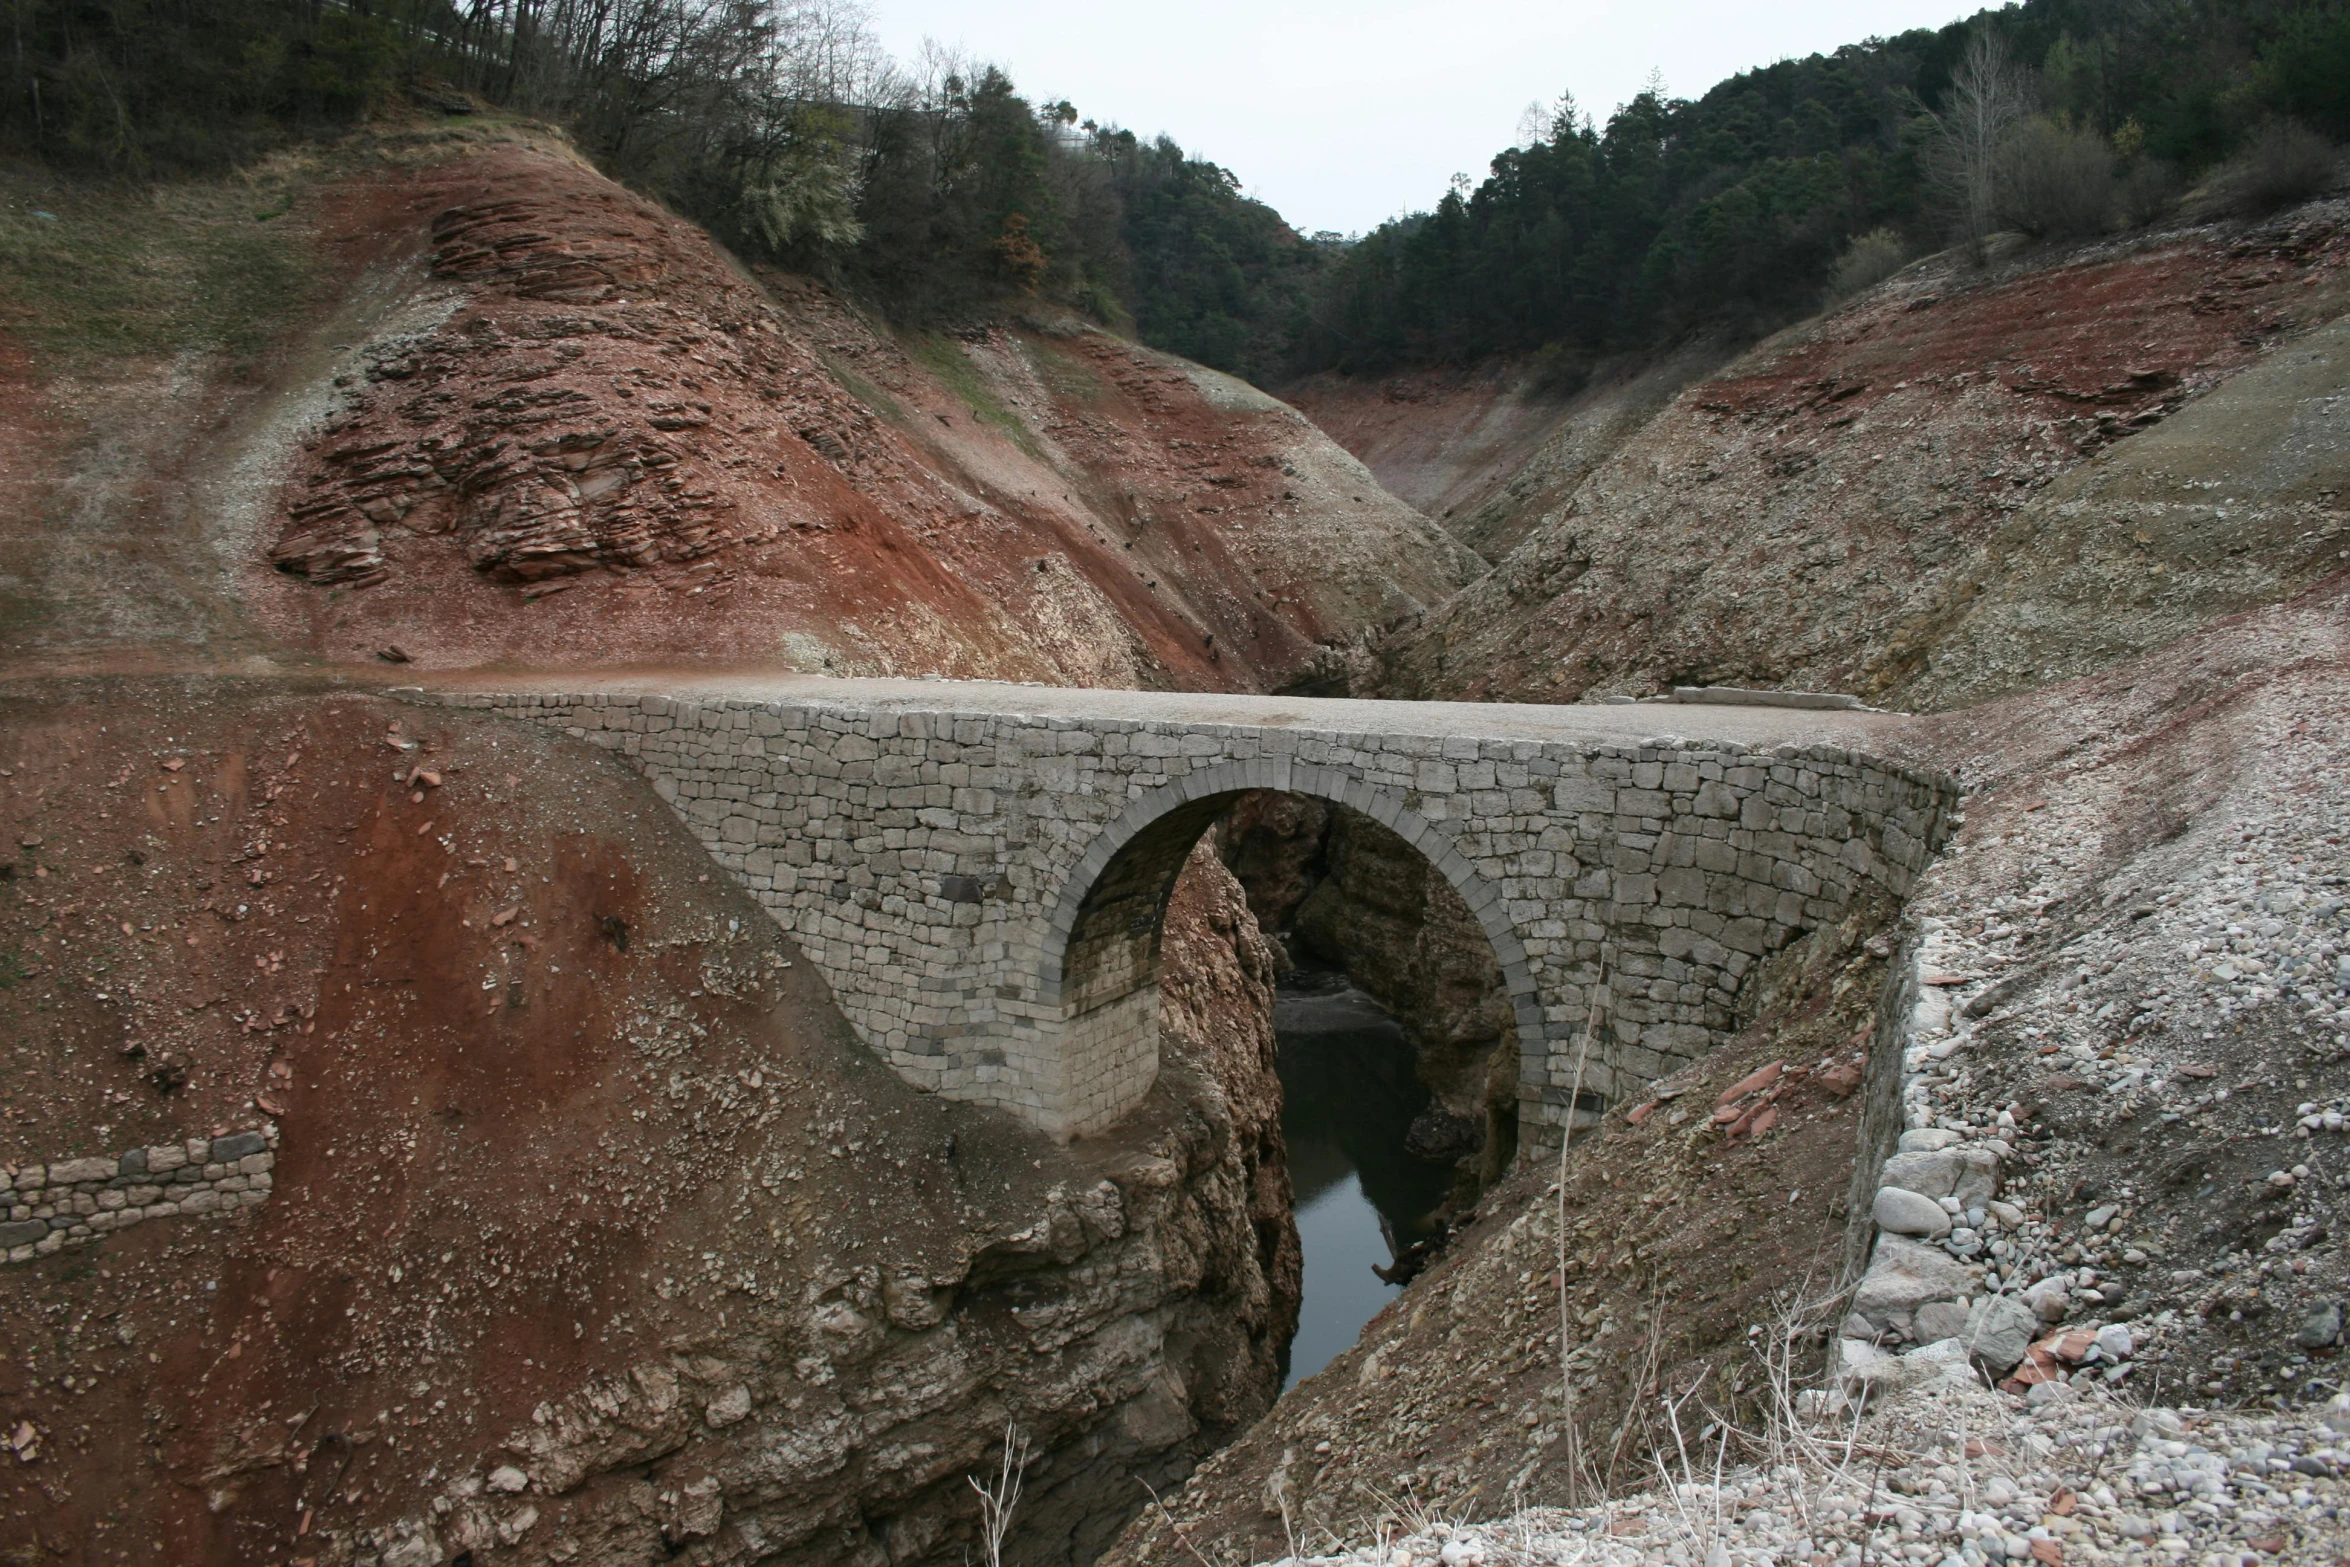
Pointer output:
x,y
1349,1096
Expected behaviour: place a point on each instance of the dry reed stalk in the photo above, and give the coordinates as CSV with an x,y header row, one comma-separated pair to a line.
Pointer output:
x,y
1574,1433
1000,1499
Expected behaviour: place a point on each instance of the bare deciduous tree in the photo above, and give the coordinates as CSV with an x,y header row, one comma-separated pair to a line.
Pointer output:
x,y
1985,100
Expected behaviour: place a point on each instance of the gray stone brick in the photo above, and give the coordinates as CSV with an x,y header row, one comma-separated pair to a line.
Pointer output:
x,y
967,997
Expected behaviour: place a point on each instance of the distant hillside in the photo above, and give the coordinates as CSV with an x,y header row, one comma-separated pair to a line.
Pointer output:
x,y
940,194
1963,483
1738,210
474,401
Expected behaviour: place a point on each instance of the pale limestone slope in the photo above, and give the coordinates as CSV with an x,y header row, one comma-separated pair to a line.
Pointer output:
x,y
1824,510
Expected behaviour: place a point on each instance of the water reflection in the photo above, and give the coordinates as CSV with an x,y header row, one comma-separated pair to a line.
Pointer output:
x,y
1349,1096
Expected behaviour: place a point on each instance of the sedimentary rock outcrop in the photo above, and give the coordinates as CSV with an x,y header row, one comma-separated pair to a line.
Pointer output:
x,y
586,434
1344,892
590,1234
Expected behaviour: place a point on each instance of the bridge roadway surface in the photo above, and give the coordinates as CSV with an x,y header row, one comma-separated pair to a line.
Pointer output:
x,y
979,868
1602,723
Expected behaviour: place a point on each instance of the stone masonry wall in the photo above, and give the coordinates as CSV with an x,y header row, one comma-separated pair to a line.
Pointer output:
x,y
66,1202
934,865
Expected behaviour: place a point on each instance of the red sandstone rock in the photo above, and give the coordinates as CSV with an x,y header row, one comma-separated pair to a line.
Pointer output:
x,y
1753,1082
585,394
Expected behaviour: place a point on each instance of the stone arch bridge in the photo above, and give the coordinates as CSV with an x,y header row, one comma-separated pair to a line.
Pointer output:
x,y
979,869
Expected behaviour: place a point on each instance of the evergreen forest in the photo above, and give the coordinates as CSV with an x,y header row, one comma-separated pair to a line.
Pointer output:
x,y
1741,209
938,192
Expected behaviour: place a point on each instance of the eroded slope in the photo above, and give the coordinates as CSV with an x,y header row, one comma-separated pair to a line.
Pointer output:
x,y
492,379
593,1234
1958,484
720,470
1681,1233
2135,1004
1489,452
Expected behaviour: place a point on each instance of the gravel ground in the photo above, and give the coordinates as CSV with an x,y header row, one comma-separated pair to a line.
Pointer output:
x,y
2137,1001
2130,1061
1949,1474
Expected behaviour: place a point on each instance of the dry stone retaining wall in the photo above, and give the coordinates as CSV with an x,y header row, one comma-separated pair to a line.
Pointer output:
x,y
66,1202
982,888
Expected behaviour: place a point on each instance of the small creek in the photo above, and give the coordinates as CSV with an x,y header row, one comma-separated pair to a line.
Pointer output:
x,y
1349,1095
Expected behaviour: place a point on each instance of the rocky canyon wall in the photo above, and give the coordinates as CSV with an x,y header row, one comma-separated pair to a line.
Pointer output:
x,y
585,434
475,402
1341,891
589,1233
1488,451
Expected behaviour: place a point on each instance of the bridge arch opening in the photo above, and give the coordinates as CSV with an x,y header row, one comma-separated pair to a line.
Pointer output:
x,y
1364,1081
1101,969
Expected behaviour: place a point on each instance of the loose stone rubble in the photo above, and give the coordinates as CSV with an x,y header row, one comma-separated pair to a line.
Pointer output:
x,y
1948,1474
70,1202
2148,1000
2126,1069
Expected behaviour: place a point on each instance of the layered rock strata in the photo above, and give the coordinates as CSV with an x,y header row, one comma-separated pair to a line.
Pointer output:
x,y
1127,1329
1523,1367
581,433
1962,483
1346,893
592,1233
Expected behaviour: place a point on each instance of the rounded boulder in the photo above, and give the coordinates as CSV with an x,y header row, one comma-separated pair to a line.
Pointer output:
x,y
1905,1212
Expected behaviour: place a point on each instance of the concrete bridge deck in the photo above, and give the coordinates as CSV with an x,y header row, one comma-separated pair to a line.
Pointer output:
x,y
979,868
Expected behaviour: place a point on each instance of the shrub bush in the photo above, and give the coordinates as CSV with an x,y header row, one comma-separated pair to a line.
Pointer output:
x,y
2055,182
2145,190
1558,372
2283,164
1866,262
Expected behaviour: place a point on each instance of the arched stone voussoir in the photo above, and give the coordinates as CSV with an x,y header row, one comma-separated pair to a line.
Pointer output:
x,y
1223,778
1368,800
1072,975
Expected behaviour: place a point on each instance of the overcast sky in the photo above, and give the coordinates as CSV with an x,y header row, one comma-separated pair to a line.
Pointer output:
x,y
1342,113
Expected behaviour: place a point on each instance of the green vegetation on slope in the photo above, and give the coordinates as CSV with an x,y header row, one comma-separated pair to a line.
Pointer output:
x,y
936,196
954,371
1211,275
93,272
941,195
1731,211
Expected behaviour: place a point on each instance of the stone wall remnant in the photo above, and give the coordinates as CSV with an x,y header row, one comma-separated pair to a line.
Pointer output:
x,y
47,1207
